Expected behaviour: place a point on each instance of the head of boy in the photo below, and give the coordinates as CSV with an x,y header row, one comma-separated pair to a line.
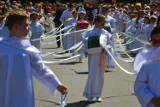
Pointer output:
x,y
34,17
99,21
155,37
18,23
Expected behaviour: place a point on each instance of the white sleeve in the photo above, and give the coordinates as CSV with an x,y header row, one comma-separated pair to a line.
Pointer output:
x,y
103,40
141,88
44,74
62,18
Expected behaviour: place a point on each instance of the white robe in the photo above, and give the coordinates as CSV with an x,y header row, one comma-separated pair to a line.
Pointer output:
x,y
19,61
135,33
147,31
65,15
131,26
95,81
119,21
79,38
37,31
111,21
69,39
78,35
50,22
147,82
144,56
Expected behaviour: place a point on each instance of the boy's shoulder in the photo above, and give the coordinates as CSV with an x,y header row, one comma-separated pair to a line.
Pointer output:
x,y
18,44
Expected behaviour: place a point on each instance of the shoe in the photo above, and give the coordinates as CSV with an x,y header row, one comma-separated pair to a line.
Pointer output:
x,y
66,51
99,99
90,99
58,46
107,70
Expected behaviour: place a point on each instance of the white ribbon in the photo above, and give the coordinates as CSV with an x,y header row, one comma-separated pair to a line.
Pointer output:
x,y
63,60
62,101
132,50
140,40
55,41
124,70
80,44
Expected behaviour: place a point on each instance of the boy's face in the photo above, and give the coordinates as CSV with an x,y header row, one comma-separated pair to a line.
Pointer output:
x,y
82,15
155,40
101,23
70,8
21,30
75,15
34,18
152,20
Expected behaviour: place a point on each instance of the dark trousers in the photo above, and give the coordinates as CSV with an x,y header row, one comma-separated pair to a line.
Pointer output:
x,y
58,41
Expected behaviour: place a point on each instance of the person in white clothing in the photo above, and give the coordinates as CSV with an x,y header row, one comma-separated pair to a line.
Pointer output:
x,y
146,86
37,30
67,14
94,50
19,61
69,39
78,36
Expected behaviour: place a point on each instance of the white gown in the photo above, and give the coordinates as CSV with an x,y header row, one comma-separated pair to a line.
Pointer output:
x,y
147,31
69,39
111,21
147,82
37,31
19,60
119,21
79,38
65,15
95,81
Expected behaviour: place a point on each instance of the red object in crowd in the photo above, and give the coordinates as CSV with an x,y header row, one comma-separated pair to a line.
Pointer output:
x,y
82,25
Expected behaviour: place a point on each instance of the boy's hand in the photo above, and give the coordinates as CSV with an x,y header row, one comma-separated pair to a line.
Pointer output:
x,y
63,89
155,101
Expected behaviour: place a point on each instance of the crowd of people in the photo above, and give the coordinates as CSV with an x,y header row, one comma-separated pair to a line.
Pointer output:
x,y
134,19
23,25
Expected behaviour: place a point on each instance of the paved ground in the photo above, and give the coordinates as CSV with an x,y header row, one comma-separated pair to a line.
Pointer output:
x,y
117,91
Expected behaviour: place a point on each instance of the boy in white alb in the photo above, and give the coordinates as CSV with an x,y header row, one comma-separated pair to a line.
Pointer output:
x,y
147,87
19,60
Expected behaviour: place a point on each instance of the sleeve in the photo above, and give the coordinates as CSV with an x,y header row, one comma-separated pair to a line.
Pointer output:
x,y
103,40
62,18
85,41
42,29
112,22
141,88
113,47
43,74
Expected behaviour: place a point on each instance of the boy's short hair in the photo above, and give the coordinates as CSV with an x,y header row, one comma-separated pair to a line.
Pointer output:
x,y
98,18
70,5
15,17
34,14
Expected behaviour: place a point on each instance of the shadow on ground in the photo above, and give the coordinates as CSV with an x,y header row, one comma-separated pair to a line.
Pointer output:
x,y
79,104
79,72
74,104
52,102
119,96
70,63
